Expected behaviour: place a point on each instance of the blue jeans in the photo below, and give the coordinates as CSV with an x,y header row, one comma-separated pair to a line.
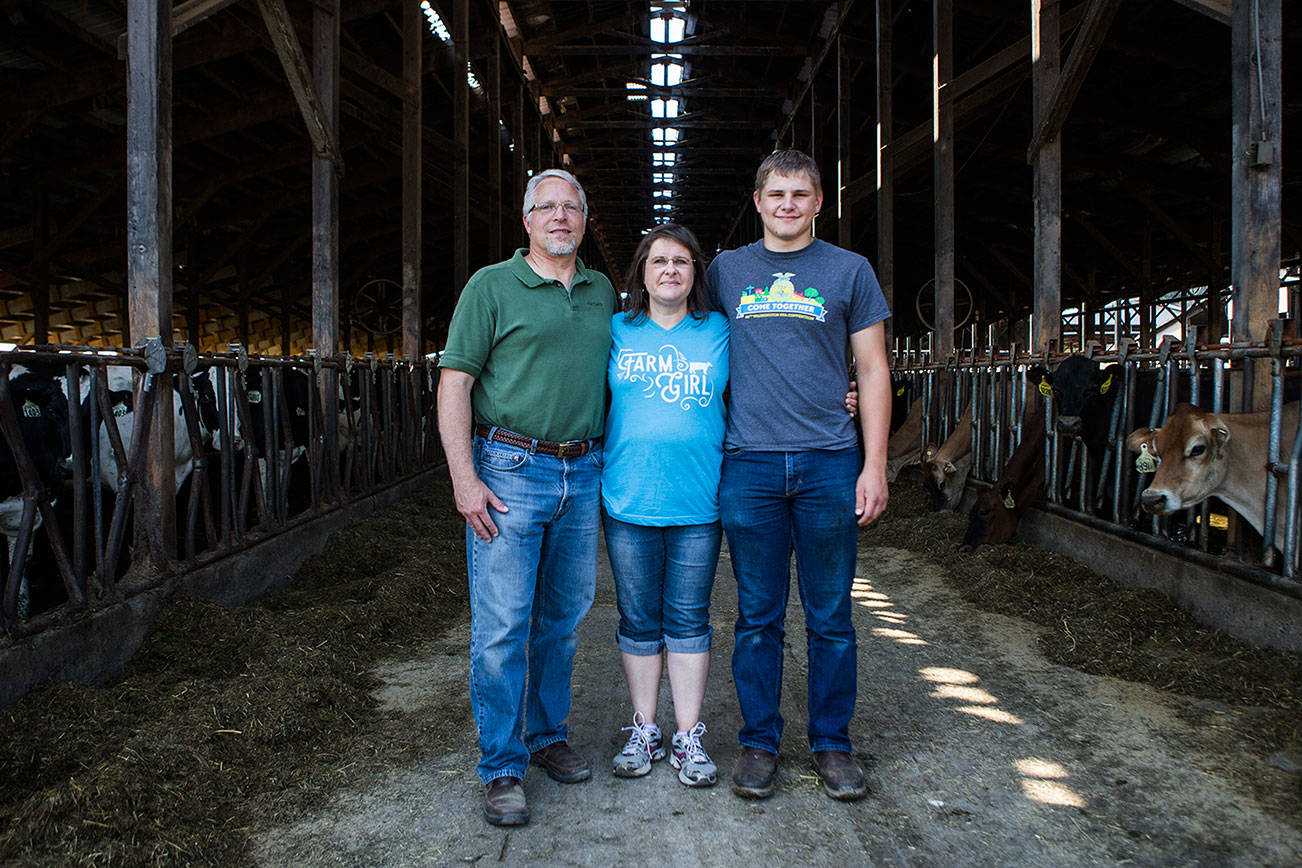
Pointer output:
x,y
529,589
772,503
663,579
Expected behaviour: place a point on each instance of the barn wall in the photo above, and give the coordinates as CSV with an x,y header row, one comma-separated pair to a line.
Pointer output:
x,y
95,648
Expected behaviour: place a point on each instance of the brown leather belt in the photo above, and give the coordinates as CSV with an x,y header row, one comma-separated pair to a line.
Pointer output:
x,y
568,449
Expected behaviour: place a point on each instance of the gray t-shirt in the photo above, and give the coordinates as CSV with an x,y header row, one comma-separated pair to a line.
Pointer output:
x,y
792,315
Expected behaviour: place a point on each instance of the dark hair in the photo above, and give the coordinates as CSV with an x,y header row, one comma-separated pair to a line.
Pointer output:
x,y
637,298
788,162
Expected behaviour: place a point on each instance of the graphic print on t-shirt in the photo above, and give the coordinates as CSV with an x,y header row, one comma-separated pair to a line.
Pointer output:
x,y
667,374
780,298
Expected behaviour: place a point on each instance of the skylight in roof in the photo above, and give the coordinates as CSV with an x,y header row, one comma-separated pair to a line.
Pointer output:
x,y
667,30
662,177
662,194
436,25
662,136
663,158
664,108
471,79
662,206
636,91
666,70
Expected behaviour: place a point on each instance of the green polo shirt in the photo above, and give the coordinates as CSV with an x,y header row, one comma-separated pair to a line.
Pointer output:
x,y
538,354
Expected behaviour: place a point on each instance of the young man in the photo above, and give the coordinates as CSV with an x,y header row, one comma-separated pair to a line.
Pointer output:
x,y
525,370
792,473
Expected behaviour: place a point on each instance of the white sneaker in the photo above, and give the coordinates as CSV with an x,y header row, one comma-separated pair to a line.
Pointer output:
x,y
645,746
695,768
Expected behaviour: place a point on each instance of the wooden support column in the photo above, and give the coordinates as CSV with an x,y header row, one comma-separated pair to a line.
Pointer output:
x,y
885,156
513,223
494,134
149,249
325,183
942,107
844,123
1256,64
460,147
413,28
41,273
1047,183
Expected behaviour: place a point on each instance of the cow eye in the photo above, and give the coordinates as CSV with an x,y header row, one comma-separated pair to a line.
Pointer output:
x,y
1197,450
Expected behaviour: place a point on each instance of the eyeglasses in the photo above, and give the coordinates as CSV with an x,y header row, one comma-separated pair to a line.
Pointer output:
x,y
662,262
571,208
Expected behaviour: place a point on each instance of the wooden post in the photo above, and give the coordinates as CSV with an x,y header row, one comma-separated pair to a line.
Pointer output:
x,y
325,225
41,272
1257,130
943,159
1045,69
149,249
325,186
494,85
413,27
513,223
844,124
460,147
885,155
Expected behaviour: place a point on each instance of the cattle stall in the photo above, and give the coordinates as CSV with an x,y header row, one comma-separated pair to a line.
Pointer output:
x,y
1097,419
262,446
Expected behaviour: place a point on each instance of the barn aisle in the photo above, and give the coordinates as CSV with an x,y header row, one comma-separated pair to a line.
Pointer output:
x,y
978,749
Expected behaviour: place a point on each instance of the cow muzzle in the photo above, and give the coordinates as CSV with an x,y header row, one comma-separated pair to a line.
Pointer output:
x,y
1069,425
1154,501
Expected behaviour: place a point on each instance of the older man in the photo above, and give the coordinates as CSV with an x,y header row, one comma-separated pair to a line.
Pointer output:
x,y
521,411
792,475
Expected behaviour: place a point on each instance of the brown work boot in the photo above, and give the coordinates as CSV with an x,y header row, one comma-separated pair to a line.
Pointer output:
x,y
562,763
842,777
504,803
752,776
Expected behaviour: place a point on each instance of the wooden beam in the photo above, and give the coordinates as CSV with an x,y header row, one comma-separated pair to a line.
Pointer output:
x,y
281,30
460,148
149,250
1256,122
1093,30
325,183
413,27
1217,10
884,164
942,108
1047,183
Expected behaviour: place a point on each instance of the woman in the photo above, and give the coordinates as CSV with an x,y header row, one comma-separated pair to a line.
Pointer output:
x,y
660,492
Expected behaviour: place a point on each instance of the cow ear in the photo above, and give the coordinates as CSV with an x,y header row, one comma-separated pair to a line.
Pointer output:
x,y
1221,436
950,468
928,451
1108,377
1140,436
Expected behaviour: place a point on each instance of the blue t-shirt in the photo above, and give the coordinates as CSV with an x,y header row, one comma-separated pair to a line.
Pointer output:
x,y
792,314
664,431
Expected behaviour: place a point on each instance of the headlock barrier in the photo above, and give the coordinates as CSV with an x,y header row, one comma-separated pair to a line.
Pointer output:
x,y
261,445
1121,454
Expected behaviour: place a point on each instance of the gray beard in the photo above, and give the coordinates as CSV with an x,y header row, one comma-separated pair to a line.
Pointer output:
x,y
560,248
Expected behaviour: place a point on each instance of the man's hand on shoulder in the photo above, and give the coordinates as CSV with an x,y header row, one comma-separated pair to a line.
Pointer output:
x,y
870,496
473,500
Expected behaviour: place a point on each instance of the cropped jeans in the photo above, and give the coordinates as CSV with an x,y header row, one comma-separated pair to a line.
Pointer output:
x,y
663,579
529,589
772,503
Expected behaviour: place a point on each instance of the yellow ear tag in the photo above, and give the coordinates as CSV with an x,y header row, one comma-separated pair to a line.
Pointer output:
x,y
1147,462
1107,384
901,391
1008,500
1045,389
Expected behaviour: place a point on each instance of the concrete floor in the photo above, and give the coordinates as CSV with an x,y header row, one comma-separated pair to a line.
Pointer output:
x,y
978,751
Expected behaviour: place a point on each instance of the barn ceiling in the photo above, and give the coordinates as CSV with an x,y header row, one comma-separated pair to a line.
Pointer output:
x,y
663,109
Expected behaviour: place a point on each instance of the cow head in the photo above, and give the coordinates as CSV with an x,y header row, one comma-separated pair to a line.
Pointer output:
x,y
992,519
1189,450
944,479
1078,386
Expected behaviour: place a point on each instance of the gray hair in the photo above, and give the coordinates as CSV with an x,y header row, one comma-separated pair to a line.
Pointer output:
x,y
531,191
